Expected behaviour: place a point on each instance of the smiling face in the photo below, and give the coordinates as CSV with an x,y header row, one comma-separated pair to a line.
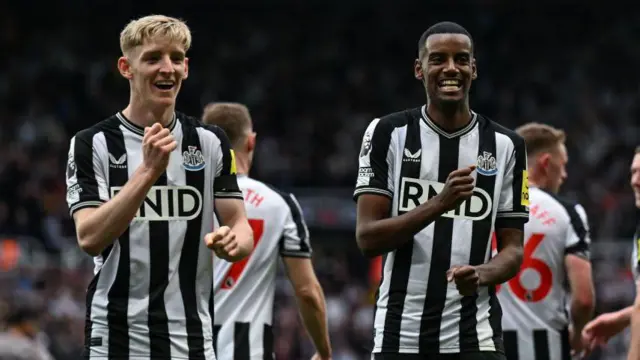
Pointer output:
x,y
446,67
156,70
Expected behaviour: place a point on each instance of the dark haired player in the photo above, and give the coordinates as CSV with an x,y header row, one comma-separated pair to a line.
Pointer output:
x,y
434,183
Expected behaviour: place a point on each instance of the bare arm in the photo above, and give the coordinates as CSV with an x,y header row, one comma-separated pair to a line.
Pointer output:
x,y
98,228
582,291
506,263
634,347
232,214
377,233
310,301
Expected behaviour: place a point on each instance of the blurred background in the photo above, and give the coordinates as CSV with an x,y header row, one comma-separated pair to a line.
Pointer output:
x,y
313,73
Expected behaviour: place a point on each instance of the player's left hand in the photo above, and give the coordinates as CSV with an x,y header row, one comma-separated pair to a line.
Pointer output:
x,y
223,243
466,278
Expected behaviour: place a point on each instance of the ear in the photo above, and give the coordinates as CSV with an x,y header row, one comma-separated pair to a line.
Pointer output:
x,y
474,69
251,142
186,68
417,70
124,66
543,160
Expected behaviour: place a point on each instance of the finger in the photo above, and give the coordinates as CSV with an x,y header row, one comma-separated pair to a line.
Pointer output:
x,y
170,147
461,180
154,138
153,129
164,141
463,272
450,273
230,247
465,171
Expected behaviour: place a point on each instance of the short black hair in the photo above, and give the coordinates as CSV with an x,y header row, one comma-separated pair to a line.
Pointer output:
x,y
443,27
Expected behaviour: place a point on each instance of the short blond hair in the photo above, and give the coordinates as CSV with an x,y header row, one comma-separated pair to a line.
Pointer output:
x,y
139,31
540,137
233,118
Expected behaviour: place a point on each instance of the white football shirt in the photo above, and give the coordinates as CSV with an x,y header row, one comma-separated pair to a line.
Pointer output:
x,y
535,320
244,290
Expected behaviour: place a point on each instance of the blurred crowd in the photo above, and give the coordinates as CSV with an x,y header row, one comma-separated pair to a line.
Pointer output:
x,y
313,74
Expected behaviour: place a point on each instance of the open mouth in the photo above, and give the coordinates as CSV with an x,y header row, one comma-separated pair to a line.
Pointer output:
x,y
164,85
449,85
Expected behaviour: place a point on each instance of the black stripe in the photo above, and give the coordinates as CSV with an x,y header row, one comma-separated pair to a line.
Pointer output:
x,y
565,346
81,165
91,290
299,221
241,346
511,344
480,241
216,331
267,342
188,258
440,255
402,256
118,296
158,282
541,344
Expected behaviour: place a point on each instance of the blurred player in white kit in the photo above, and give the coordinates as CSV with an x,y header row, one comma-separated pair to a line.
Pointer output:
x,y
535,321
244,291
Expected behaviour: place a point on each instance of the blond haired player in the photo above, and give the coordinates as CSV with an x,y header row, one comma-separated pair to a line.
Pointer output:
x,y
535,322
604,327
141,187
244,291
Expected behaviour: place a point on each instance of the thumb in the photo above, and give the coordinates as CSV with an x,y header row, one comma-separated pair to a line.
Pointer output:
x,y
450,273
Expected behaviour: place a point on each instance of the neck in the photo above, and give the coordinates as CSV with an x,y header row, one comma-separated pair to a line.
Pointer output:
x,y
243,163
144,115
14,330
535,180
449,116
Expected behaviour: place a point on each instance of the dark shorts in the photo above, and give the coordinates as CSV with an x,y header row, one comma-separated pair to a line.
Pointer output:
x,y
479,355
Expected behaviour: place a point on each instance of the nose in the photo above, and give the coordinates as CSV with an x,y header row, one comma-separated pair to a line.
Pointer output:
x,y
166,65
450,66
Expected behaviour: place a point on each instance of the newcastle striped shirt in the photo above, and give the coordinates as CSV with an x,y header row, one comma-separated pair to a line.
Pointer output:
x,y
407,157
151,296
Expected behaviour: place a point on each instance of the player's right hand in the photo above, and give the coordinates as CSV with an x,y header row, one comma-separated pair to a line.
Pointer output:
x,y
598,331
157,145
458,188
318,357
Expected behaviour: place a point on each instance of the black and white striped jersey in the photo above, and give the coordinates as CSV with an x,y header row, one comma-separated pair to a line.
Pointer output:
x,y
534,302
635,257
244,291
408,158
151,296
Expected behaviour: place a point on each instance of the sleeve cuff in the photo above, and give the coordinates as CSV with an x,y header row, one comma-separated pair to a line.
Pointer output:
x,y
372,190
515,222
228,195
84,204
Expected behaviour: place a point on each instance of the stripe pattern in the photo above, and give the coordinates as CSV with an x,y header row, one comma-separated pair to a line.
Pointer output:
x,y
244,291
151,293
407,157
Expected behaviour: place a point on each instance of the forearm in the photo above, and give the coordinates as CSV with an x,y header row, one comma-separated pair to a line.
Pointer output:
x,y
104,225
581,314
634,347
381,236
504,266
244,237
314,316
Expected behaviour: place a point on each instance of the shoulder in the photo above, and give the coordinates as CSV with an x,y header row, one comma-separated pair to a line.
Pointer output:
x,y
209,131
281,198
569,209
383,127
109,124
502,132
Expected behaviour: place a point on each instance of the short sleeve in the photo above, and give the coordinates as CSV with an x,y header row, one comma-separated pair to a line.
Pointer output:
x,y
225,184
376,158
86,180
513,204
295,235
578,238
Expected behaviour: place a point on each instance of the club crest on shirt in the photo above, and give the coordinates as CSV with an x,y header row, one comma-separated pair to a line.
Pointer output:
x,y
192,159
487,164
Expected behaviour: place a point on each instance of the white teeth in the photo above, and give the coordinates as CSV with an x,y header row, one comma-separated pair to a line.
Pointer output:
x,y
449,82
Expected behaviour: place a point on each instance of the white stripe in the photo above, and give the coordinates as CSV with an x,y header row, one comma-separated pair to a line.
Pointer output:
x,y
101,165
100,300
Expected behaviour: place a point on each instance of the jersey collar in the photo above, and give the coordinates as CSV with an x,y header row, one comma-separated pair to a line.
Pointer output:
x,y
442,132
138,129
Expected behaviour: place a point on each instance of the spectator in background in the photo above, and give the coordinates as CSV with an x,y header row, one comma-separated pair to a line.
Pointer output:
x,y
20,339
